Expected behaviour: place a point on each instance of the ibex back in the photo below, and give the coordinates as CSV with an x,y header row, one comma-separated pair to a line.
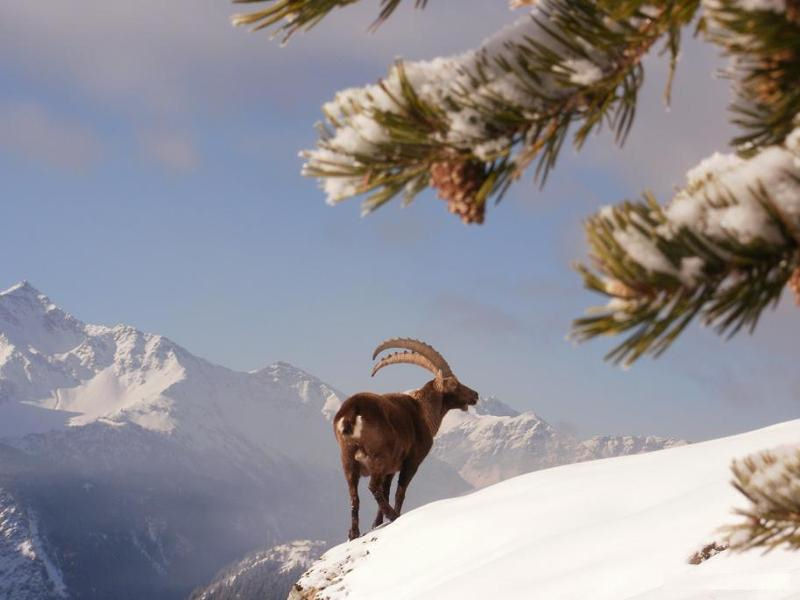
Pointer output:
x,y
383,434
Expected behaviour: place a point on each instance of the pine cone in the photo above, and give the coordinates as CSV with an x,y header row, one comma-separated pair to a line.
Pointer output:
x,y
457,182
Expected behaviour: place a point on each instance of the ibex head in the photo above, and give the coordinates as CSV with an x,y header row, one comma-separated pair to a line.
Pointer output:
x,y
454,393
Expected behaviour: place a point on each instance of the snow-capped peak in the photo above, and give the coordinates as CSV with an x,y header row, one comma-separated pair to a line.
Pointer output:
x,y
21,288
56,371
29,319
491,405
310,390
26,297
493,442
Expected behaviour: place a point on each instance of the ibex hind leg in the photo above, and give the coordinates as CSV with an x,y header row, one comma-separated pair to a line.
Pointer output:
x,y
387,486
352,472
376,486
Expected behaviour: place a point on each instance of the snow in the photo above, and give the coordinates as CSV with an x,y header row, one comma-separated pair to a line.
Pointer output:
x,y
294,554
643,250
752,201
778,6
36,549
493,442
26,570
691,270
58,372
621,528
581,71
723,196
284,558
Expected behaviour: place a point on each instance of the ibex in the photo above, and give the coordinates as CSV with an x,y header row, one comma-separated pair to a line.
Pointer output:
x,y
383,434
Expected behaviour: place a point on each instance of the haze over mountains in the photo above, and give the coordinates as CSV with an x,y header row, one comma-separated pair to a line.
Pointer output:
x,y
131,468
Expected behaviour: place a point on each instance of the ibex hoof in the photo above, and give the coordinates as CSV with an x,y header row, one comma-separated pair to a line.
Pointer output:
x,y
354,533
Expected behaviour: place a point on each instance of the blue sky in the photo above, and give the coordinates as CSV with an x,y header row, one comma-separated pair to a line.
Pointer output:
x,y
149,175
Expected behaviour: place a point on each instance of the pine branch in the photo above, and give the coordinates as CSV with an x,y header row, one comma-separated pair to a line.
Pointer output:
x,y
771,483
470,125
723,249
297,15
764,47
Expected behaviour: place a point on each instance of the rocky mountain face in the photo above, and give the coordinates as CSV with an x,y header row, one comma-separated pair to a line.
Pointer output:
x,y
265,575
495,442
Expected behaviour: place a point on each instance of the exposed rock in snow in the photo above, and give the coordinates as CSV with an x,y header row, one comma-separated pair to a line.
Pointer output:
x,y
608,446
264,575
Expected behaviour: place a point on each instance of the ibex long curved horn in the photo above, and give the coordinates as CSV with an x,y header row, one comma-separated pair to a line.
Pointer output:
x,y
411,358
419,347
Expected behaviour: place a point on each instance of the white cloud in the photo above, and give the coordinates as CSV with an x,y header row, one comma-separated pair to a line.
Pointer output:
x,y
166,57
173,150
28,129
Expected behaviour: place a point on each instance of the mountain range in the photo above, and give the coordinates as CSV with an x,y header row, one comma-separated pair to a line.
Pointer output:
x,y
131,468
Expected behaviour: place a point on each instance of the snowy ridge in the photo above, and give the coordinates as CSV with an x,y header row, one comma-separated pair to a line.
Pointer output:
x,y
494,442
57,372
606,530
264,574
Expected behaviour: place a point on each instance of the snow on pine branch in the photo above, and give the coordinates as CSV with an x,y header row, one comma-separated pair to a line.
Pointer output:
x,y
468,124
724,247
770,481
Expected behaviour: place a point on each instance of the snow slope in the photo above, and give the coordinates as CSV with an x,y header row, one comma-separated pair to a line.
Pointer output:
x,y
616,529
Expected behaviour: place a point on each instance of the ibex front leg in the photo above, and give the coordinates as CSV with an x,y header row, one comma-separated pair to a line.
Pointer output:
x,y
406,475
376,487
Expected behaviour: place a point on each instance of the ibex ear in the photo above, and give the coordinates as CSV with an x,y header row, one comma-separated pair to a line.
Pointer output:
x,y
447,385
